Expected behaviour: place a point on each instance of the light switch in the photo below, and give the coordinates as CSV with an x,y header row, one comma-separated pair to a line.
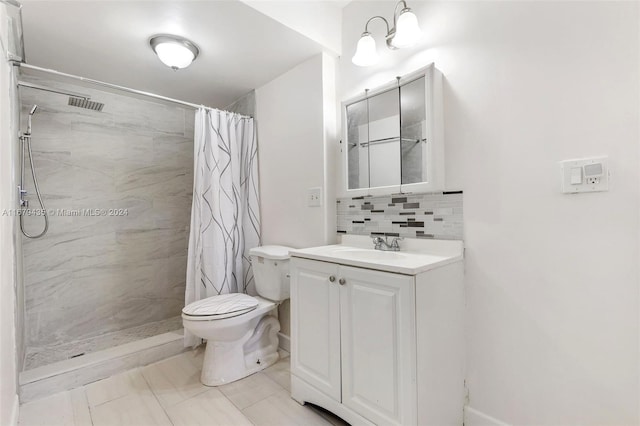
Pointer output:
x,y
576,175
585,175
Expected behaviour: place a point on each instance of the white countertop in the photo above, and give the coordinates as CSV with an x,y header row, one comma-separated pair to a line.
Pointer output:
x,y
415,255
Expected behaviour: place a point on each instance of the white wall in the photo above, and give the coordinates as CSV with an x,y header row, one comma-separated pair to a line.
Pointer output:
x,y
552,280
293,128
330,117
8,131
296,122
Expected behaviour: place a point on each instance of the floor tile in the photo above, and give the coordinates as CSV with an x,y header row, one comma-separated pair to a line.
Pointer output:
x,y
250,390
280,410
210,408
64,408
54,410
280,373
80,406
115,387
134,409
196,356
175,379
169,392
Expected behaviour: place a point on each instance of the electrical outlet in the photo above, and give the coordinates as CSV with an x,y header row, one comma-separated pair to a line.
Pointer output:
x,y
314,197
585,175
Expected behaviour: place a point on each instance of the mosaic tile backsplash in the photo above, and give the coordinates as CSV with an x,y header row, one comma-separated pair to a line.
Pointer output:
x,y
435,215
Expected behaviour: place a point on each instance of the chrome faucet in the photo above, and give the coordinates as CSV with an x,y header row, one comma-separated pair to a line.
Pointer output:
x,y
384,245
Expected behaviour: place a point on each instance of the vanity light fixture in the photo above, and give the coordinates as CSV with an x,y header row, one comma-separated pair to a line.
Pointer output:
x,y
174,51
404,33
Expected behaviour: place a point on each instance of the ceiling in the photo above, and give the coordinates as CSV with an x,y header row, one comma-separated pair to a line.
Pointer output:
x,y
240,48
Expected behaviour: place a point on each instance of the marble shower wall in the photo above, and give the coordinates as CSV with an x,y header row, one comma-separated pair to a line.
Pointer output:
x,y
92,275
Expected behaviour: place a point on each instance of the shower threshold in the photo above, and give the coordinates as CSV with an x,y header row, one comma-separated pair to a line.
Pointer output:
x,y
74,372
44,355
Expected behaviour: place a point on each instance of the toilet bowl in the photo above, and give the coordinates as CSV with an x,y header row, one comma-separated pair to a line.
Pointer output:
x,y
242,330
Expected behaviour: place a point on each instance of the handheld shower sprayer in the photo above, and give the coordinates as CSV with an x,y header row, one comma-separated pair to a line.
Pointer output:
x,y
25,139
33,111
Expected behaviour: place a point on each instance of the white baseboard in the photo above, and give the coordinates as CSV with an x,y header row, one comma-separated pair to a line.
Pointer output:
x,y
473,417
15,411
285,342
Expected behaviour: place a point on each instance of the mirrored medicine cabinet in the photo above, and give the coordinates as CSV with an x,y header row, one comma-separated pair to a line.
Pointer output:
x,y
393,137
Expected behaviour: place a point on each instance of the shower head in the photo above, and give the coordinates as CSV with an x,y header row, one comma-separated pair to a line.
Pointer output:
x,y
85,103
31,112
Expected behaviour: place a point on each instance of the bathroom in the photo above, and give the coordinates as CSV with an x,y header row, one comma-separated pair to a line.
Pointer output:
x,y
542,318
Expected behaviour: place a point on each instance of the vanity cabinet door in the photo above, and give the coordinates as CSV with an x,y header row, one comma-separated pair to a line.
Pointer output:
x,y
377,311
315,325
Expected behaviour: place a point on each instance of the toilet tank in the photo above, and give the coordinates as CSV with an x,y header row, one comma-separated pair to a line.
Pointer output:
x,y
271,271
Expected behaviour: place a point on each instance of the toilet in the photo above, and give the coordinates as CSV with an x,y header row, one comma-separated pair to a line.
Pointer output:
x,y
242,330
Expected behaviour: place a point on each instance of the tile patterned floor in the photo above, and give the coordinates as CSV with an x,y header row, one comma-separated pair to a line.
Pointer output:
x,y
169,392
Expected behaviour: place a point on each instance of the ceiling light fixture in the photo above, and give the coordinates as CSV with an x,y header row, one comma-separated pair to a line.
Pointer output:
x,y
175,52
404,33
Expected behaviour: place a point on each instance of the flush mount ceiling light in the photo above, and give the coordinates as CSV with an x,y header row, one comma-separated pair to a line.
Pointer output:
x,y
404,33
175,52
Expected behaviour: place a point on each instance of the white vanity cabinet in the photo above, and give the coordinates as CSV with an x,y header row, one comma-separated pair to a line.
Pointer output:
x,y
378,347
315,331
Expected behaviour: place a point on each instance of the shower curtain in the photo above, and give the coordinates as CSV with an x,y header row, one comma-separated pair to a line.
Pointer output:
x,y
225,214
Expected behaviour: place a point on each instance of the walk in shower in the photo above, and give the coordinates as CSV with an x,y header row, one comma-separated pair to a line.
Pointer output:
x,y
117,186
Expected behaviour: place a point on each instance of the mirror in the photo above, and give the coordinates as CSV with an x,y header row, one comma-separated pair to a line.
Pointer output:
x,y
414,132
357,136
394,137
384,139
374,141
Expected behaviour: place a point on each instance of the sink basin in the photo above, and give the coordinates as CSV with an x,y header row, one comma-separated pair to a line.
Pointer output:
x,y
415,256
365,254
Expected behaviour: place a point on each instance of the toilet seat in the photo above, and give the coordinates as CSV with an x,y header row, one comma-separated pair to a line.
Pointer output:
x,y
220,307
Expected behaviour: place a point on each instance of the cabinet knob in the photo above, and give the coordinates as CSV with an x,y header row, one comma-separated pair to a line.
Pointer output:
x,y
342,281
332,278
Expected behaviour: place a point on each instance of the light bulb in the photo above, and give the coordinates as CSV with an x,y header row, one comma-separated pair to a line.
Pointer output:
x,y
366,52
407,30
174,55
175,52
